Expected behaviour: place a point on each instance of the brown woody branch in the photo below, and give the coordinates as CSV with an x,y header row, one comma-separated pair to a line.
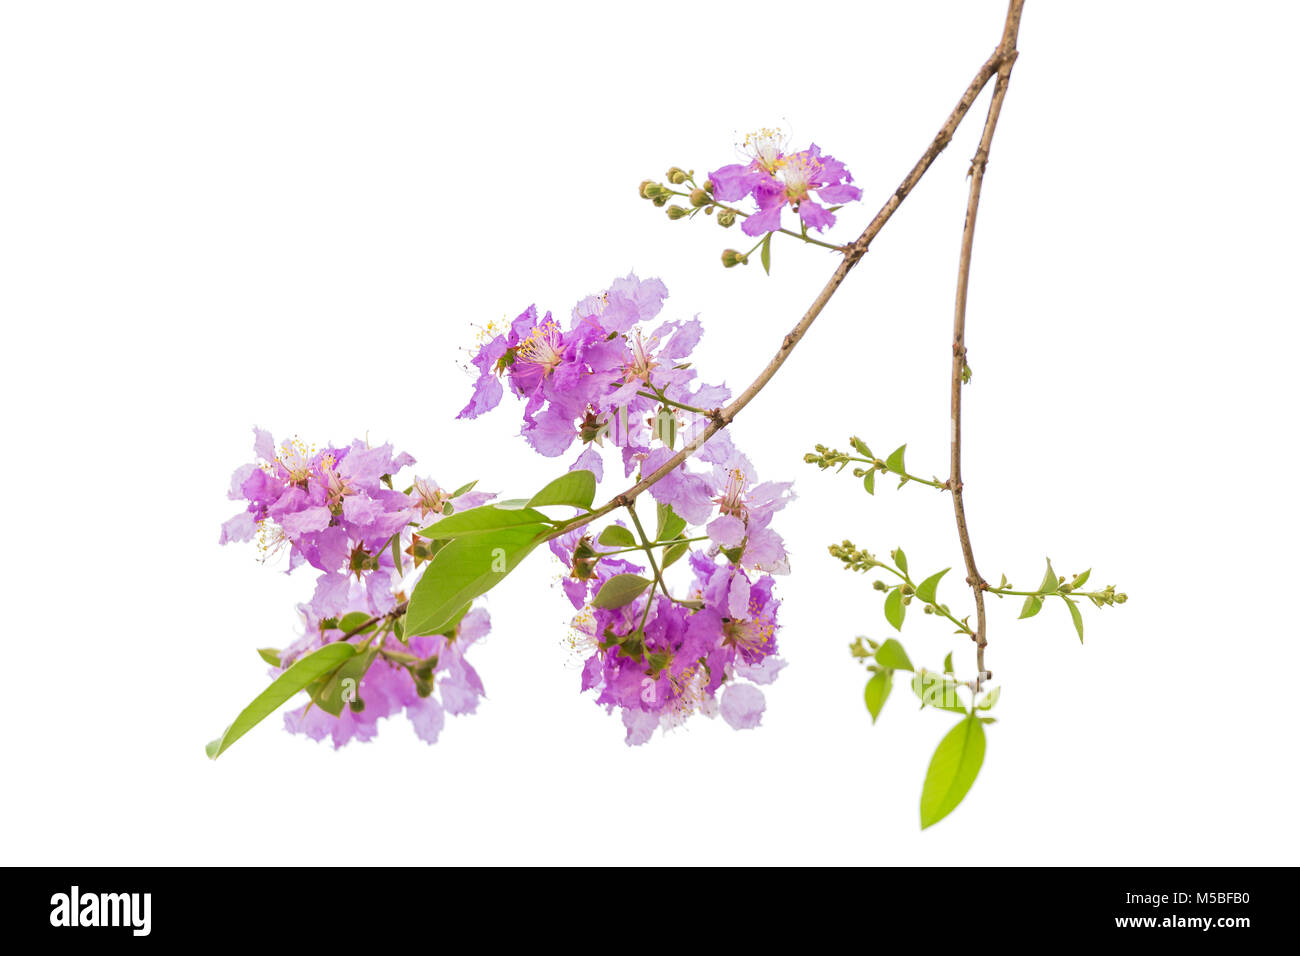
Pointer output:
x,y
1006,57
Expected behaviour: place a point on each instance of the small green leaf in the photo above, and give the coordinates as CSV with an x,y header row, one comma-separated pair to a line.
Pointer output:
x,y
468,486
877,693
353,620
900,559
467,567
927,590
1081,580
861,447
895,609
616,536
576,488
301,673
947,664
895,460
619,590
270,655
673,552
1033,604
1050,585
484,519
953,769
670,525
869,481
990,699
937,692
1077,617
892,655
765,254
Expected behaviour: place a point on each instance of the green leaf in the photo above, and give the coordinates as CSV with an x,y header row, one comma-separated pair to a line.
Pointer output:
x,y
990,699
616,536
353,620
301,673
869,481
877,693
861,447
900,559
895,460
330,693
892,655
670,523
469,486
484,519
1033,604
937,692
270,655
1077,617
619,590
895,609
947,664
928,589
577,488
671,554
953,769
765,254
1081,580
467,567
1050,585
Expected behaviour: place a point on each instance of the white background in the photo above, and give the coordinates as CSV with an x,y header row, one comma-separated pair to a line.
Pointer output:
x,y
293,214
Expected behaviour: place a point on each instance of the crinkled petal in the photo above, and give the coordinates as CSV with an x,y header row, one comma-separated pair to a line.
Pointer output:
x,y
742,706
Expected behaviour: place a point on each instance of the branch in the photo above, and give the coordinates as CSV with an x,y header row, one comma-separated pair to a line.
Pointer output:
x,y
1005,58
721,418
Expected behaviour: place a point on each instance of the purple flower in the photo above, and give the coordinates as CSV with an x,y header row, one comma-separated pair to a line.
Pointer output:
x,y
427,678
660,664
805,181
599,378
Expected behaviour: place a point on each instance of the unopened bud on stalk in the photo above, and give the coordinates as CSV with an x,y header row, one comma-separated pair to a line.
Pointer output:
x,y
699,197
677,212
726,217
659,199
730,257
645,185
676,176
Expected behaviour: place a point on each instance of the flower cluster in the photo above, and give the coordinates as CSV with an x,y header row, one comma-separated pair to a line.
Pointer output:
x,y
602,377
427,677
774,178
336,510
604,381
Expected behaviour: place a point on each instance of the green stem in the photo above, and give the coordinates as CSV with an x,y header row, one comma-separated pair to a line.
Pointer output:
x,y
682,406
938,607
657,544
739,212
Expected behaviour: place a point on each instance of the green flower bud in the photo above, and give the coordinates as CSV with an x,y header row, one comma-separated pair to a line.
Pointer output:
x,y
645,184
730,257
880,586
676,176
659,199
699,197
726,218
677,212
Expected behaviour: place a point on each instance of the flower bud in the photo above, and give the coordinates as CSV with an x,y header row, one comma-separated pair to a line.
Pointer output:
x,y
645,184
677,212
660,199
699,197
676,176
726,218
730,257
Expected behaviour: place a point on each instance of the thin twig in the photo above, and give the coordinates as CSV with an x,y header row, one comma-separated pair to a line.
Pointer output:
x,y
721,418
1005,58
